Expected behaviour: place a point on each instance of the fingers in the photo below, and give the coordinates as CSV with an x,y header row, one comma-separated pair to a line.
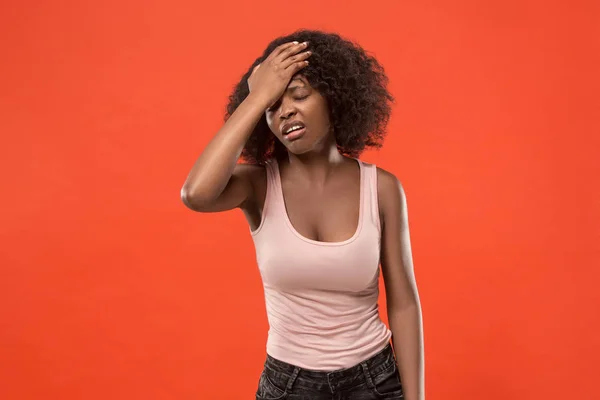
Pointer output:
x,y
298,58
290,51
297,66
282,48
287,57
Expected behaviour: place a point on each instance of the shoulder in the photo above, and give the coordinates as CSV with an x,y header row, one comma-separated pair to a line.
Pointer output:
x,y
389,187
388,183
391,194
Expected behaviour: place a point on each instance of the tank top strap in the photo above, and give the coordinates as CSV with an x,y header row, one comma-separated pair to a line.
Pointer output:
x,y
274,189
270,204
371,189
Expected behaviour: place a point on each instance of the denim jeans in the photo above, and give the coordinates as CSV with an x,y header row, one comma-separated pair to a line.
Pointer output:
x,y
374,378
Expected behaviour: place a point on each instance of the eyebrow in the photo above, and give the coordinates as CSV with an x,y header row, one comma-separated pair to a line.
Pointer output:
x,y
296,87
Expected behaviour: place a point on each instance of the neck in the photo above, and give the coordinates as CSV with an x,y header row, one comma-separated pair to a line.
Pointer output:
x,y
313,167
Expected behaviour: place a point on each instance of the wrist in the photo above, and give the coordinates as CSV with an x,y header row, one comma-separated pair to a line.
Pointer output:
x,y
258,101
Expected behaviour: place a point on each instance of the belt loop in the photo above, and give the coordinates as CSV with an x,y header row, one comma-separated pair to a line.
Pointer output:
x,y
367,374
292,379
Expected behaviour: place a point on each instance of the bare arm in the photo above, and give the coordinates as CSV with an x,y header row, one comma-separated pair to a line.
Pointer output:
x,y
403,304
216,182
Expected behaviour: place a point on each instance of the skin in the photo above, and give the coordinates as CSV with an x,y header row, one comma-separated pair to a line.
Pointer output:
x,y
321,191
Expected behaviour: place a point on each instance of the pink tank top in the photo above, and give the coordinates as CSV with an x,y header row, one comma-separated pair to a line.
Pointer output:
x,y
321,297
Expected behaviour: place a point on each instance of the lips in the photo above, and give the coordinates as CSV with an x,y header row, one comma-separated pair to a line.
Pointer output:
x,y
288,125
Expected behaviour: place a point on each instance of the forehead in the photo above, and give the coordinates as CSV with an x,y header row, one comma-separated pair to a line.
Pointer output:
x,y
298,80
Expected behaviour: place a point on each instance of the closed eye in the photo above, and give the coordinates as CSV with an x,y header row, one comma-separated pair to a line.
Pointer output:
x,y
276,105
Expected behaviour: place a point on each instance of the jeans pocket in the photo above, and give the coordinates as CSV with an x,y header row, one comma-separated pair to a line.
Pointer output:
x,y
387,383
269,388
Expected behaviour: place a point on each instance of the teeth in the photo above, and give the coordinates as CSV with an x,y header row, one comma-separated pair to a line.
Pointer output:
x,y
293,128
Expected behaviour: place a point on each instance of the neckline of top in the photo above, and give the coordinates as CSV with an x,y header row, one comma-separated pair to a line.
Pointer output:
x,y
318,242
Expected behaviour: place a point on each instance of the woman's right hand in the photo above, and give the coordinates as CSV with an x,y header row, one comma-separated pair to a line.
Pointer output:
x,y
270,78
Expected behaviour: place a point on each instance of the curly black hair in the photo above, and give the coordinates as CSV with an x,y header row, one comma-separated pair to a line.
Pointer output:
x,y
353,83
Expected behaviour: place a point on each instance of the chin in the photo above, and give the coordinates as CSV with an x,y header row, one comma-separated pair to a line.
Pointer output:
x,y
299,148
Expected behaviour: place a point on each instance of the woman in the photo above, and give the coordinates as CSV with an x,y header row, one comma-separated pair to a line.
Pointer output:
x,y
321,220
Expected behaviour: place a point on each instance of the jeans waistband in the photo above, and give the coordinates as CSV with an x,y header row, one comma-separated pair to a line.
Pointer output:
x,y
374,364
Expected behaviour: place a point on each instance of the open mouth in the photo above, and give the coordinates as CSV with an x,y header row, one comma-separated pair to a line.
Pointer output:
x,y
294,134
293,130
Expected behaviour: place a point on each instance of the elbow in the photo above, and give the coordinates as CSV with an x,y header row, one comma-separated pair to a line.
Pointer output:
x,y
193,199
186,198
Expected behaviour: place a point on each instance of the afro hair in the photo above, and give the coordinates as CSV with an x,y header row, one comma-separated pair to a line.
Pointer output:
x,y
353,83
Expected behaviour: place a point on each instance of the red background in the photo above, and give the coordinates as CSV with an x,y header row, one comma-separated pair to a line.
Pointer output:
x,y
111,289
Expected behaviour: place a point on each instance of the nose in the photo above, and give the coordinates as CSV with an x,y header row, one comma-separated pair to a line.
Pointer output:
x,y
287,109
